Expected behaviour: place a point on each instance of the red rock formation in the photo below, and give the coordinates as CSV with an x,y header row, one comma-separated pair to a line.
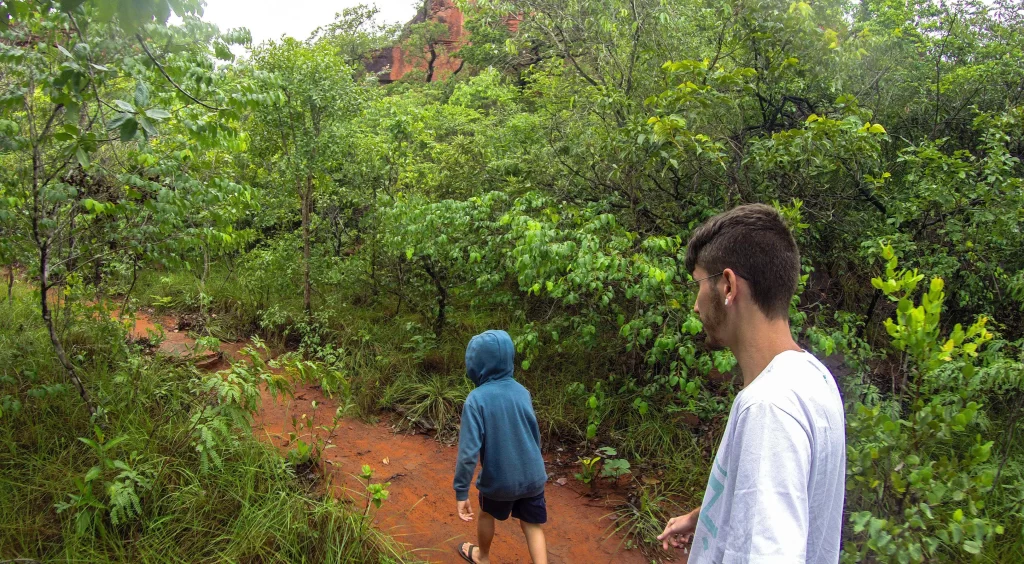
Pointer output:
x,y
436,60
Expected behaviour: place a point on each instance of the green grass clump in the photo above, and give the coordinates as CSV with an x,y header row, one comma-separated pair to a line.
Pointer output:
x,y
434,402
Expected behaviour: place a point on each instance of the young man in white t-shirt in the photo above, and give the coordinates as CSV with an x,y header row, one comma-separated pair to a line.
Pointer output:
x,y
775,494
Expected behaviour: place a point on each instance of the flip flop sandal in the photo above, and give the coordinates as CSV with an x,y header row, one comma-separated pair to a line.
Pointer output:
x,y
468,557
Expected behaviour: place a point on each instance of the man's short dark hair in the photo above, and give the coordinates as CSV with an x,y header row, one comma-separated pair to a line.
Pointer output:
x,y
755,243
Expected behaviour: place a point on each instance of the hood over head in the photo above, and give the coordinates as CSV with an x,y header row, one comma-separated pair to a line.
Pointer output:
x,y
490,356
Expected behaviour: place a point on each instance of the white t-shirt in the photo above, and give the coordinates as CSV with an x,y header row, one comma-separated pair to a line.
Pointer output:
x,y
776,488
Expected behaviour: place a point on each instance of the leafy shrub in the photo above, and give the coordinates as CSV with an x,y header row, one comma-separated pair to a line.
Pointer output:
x,y
920,471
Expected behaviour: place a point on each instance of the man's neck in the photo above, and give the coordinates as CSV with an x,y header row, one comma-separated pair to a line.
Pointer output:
x,y
759,343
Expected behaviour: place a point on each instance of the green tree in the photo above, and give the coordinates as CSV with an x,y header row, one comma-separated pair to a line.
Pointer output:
x,y
72,82
299,138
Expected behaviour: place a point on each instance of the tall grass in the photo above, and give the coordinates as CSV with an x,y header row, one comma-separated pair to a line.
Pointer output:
x,y
434,402
149,499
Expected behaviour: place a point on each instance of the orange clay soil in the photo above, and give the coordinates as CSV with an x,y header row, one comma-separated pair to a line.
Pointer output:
x,y
420,512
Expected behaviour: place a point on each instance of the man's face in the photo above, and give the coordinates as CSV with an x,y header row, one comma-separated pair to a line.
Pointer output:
x,y
710,308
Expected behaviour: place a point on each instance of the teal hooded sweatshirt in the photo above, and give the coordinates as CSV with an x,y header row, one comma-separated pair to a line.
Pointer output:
x,y
498,426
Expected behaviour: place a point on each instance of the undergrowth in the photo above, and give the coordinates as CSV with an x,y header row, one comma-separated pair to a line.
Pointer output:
x,y
139,484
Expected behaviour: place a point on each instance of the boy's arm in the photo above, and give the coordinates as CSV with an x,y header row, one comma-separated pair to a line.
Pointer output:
x,y
471,436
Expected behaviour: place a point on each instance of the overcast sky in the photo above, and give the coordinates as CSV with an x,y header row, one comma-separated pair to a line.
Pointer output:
x,y
297,18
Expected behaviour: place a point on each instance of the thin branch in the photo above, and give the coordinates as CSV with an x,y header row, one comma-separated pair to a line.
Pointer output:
x,y
635,48
565,49
171,80
79,266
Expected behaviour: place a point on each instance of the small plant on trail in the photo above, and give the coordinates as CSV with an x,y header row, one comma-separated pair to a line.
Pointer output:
x,y
613,467
588,470
164,303
641,519
154,335
300,451
206,344
320,437
375,493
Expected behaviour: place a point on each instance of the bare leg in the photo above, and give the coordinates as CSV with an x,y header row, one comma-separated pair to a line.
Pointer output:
x,y
535,542
484,536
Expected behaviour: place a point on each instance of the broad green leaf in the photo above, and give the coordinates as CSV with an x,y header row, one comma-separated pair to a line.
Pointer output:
x,y
117,120
147,127
93,473
128,129
158,113
141,94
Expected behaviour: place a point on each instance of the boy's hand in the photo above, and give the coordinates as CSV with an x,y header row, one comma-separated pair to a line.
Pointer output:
x,y
465,510
679,530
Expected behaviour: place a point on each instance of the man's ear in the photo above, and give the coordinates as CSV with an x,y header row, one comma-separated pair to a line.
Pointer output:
x,y
730,283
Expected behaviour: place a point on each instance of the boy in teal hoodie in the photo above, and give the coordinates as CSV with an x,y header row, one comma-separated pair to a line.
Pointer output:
x,y
500,428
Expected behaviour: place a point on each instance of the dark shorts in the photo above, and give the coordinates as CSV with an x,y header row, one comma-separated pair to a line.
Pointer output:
x,y
528,509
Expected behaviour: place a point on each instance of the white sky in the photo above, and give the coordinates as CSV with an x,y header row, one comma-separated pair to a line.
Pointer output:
x,y
297,18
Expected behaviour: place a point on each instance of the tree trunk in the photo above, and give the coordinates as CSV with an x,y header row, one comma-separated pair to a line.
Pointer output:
x,y
307,195
401,285
430,62
44,284
205,301
206,264
10,284
442,296
128,295
867,316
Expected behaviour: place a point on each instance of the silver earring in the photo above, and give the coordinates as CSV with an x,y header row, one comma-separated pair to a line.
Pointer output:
x,y
726,301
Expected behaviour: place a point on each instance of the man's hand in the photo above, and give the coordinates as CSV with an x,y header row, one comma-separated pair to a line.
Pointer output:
x,y
679,530
465,511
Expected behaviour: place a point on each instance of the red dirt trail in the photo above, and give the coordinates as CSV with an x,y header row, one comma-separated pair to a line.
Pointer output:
x,y
420,512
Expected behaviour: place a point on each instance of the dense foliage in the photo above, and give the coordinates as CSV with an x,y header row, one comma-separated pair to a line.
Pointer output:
x,y
547,187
